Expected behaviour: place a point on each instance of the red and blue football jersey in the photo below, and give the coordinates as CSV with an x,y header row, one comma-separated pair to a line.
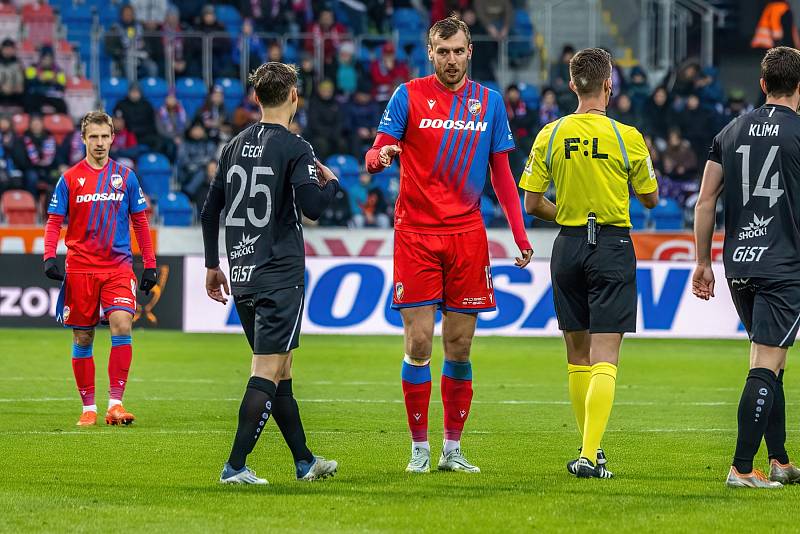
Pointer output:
x,y
446,137
98,204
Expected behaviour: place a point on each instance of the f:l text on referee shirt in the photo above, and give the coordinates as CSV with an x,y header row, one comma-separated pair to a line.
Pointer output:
x,y
591,160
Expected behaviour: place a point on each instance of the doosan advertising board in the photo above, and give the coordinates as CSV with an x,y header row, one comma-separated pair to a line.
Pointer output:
x,y
353,296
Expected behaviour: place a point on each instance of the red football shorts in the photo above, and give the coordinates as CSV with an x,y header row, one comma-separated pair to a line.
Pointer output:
x,y
449,270
82,295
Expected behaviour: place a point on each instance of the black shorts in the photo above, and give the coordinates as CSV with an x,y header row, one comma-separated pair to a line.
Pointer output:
x,y
594,287
769,309
271,319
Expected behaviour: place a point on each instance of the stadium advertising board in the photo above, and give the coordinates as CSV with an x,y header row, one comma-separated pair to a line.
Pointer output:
x,y
672,246
30,240
28,298
375,243
353,296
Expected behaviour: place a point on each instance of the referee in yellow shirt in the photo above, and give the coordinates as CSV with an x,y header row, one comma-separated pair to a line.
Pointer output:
x,y
591,159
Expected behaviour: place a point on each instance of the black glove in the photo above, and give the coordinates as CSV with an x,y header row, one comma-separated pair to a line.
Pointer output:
x,y
149,279
52,271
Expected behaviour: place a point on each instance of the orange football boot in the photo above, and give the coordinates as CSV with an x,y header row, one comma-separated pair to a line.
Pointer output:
x,y
87,419
116,415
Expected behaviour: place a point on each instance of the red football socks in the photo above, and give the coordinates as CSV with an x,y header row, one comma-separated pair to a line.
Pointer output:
x,y
456,388
417,395
83,369
119,363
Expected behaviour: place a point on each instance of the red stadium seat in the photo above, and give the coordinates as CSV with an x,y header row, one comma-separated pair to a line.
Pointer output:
x,y
28,54
21,122
18,207
59,125
39,22
80,96
10,23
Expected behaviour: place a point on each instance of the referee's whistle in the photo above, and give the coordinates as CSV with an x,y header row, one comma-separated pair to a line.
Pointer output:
x,y
591,229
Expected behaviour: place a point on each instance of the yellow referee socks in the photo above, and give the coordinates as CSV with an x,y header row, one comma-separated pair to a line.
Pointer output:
x,y
578,378
599,399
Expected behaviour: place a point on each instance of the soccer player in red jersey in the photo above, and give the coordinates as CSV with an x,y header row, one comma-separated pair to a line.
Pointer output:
x,y
100,198
446,129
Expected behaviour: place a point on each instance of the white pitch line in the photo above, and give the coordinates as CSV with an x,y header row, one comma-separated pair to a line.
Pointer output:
x,y
139,431
532,385
90,432
380,401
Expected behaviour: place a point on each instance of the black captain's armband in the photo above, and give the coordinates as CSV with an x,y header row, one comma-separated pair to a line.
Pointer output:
x,y
576,144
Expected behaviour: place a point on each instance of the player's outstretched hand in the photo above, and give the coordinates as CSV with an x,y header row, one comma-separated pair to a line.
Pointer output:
x,y
52,271
325,172
703,282
216,283
148,281
523,262
387,154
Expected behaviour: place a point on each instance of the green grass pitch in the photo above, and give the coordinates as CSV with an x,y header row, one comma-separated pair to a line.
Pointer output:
x,y
670,440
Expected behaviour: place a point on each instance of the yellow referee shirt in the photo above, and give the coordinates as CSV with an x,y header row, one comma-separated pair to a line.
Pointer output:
x,y
591,158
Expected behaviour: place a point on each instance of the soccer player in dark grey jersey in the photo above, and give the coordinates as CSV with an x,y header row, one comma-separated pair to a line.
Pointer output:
x,y
266,177
755,163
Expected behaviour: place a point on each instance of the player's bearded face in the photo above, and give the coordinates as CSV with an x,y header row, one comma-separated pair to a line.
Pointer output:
x,y
450,57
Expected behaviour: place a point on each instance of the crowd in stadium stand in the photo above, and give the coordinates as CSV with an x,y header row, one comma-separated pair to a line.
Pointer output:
x,y
340,105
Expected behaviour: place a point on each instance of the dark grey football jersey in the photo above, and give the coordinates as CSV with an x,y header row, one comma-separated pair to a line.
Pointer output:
x,y
258,171
760,157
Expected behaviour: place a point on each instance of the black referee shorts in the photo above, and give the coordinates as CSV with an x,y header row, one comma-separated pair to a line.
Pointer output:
x,y
271,319
594,287
769,309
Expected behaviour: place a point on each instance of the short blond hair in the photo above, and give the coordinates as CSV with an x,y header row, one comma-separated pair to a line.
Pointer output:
x,y
96,117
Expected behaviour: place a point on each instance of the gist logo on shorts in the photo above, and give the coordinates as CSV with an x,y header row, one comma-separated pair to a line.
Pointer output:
x,y
399,291
65,313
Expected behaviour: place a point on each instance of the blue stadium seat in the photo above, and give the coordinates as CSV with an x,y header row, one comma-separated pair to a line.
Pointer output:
x,y
192,93
522,32
108,15
667,215
291,54
392,172
343,165
230,18
638,215
154,172
113,90
75,14
233,91
407,20
493,86
487,210
176,210
154,90
530,94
